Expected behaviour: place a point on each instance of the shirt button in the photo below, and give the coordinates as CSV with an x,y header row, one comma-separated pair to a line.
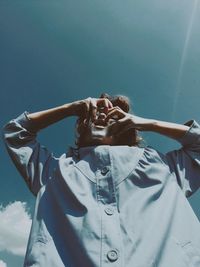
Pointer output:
x,y
109,210
112,255
104,170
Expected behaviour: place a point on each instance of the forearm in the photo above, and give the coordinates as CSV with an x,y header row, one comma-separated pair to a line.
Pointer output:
x,y
172,130
84,109
44,118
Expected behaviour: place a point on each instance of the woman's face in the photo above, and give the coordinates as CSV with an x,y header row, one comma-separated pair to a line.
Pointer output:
x,y
106,130
97,132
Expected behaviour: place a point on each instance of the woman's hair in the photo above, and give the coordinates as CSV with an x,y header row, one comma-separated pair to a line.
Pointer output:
x,y
130,137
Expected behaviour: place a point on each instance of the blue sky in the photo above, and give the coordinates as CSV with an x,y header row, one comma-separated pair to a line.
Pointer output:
x,y
54,52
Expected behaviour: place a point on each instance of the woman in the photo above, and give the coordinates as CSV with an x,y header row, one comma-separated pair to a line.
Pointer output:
x,y
110,202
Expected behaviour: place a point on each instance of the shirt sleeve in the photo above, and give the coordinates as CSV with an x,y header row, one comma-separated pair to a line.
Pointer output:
x,y
33,161
185,162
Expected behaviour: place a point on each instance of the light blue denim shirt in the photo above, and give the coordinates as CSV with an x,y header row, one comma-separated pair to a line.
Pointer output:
x,y
109,206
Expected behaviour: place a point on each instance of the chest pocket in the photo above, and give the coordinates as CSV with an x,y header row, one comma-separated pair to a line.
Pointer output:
x,y
191,254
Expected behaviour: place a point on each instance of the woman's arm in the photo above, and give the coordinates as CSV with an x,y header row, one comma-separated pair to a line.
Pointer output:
x,y
35,162
172,130
126,121
43,119
82,108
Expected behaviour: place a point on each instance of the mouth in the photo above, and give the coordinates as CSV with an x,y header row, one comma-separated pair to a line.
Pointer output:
x,y
99,126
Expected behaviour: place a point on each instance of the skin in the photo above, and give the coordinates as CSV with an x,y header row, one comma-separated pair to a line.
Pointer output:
x,y
104,122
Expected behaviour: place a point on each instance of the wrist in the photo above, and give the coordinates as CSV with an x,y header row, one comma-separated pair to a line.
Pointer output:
x,y
152,125
143,124
72,109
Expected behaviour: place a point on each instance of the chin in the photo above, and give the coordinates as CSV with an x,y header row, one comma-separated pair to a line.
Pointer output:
x,y
99,135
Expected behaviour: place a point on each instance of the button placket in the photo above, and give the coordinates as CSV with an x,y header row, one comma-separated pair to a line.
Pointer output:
x,y
107,201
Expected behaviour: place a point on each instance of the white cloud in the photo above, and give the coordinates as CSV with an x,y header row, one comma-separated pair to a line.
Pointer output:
x,y
15,223
2,264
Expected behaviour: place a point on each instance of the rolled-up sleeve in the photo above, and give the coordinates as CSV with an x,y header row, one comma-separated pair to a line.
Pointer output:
x,y
185,162
33,161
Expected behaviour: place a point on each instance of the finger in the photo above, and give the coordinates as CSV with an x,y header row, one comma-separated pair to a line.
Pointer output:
x,y
86,112
115,113
93,113
120,126
110,105
85,109
104,102
93,110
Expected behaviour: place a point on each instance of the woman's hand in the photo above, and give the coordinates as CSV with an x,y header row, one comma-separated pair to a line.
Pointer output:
x,y
85,109
88,108
125,121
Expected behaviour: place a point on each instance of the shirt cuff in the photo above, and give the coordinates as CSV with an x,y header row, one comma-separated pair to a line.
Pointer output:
x,y
26,123
192,136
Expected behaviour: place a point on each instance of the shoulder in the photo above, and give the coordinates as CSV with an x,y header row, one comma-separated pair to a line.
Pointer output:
x,y
152,154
